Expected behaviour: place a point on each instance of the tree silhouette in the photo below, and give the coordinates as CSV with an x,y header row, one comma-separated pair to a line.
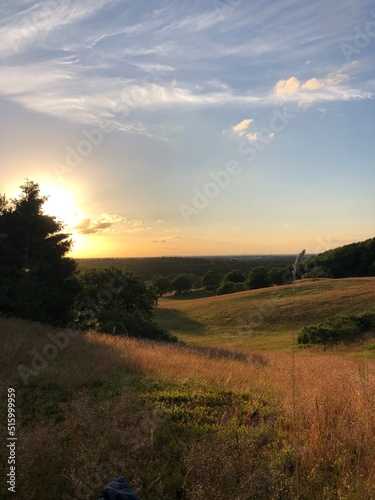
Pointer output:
x,y
38,281
258,278
181,283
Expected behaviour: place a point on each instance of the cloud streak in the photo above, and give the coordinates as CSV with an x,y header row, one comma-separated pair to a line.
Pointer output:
x,y
109,70
109,223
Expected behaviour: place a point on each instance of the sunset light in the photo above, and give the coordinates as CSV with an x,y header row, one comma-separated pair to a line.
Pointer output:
x,y
191,130
187,249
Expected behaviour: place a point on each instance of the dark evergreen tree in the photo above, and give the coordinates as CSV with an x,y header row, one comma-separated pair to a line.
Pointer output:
x,y
38,282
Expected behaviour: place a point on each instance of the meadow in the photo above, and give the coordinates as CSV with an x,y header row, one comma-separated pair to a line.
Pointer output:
x,y
263,319
232,413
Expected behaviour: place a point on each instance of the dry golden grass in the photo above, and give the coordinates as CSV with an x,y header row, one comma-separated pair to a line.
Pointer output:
x,y
335,414
87,417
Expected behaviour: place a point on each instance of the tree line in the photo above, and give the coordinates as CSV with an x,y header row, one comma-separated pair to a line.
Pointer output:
x,y
222,283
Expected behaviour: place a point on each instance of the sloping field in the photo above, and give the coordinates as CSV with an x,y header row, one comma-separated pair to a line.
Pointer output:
x,y
265,318
182,422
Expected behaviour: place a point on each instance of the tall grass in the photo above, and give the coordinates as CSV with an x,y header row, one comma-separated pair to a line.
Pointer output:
x,y
188,423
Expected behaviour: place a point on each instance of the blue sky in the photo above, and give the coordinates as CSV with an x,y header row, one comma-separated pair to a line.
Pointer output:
x,y
193,128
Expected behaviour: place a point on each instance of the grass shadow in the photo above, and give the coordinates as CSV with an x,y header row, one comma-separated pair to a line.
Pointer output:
x,y
195,294
176,321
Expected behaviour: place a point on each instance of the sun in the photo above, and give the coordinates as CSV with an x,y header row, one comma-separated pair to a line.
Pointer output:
x,y
62,205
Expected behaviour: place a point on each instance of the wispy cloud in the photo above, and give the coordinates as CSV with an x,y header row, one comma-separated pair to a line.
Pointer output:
x,y
241,127
31,26
118,68
112,223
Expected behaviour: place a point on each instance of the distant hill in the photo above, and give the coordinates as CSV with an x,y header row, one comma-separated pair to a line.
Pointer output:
x,y
356,259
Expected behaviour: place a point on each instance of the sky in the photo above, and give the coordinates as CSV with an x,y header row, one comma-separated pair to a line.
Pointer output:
x,y
182,127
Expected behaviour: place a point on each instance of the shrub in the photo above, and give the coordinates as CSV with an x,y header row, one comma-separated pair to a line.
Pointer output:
x,y
226,287
235,275
239,287
163,285
181,283
340,328
258,278
211,280
112,301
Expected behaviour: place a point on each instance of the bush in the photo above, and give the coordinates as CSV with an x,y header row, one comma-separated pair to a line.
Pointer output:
x,y
212,279
235,275
226,287
239,287
163,285
258,278
340,328
181,283
112,301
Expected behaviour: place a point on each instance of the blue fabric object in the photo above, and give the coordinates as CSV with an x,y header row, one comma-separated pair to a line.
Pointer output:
x,y
119,489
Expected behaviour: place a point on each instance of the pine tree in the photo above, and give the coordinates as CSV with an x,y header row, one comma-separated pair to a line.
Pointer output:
x,y
37,280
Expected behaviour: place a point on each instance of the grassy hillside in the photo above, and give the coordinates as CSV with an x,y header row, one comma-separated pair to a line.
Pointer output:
x,y
263,318
183,422
196,422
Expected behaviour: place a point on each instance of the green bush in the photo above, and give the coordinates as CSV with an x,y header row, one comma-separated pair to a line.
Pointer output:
x,y
118,302
226,287
258,278
340,328
239,287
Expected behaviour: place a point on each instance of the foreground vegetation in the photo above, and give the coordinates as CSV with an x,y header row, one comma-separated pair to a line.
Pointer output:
x,y
187,422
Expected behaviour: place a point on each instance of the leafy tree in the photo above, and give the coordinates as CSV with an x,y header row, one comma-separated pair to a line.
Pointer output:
x,y
226,287
163,285
181,283
212,279
318,272
258,278
278,275
236,276
350,260
113,301
38,281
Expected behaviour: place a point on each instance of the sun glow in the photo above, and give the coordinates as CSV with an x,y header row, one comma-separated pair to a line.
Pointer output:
x,y
62,205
